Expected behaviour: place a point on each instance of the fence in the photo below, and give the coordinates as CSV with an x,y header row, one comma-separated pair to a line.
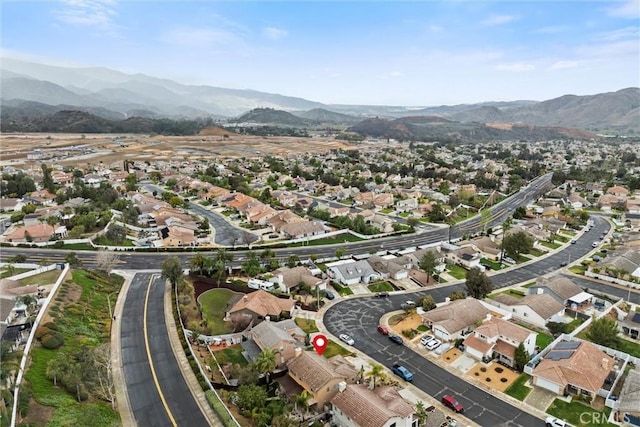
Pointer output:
x,y
615,280
27,348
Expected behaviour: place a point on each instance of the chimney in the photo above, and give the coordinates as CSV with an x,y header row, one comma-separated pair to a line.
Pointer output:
x,y
489,316
267,318
605,363
297,351
342,386
245,297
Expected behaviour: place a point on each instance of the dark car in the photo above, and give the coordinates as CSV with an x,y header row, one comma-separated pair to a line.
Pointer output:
x,y
396,339
451,402
329,295
382,295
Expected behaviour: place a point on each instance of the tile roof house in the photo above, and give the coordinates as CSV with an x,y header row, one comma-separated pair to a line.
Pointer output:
x,y
289,278
318,376
562,290
537,309
268,335
573,367
31,233
455,319
11,205
388,268
40,197
358,405
303,229
256,306
283,218
498,339
351,272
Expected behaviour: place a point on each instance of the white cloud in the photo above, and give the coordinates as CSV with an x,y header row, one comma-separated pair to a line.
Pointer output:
x,y
516,67
554,29
200,37
628,9
499,19
619,34
274,33
97,14
561,65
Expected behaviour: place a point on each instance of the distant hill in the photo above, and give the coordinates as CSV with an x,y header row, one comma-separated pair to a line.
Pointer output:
x,y
112,94
272,117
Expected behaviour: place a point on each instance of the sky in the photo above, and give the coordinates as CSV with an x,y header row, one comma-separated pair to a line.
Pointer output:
x,y
411,53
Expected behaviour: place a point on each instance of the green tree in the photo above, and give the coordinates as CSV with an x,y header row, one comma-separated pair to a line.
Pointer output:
x,y
604,331
266,363
428,263
251,265
29,208
457,295
220,260
376,373
57,367
198,263
172,269
340,252
518,243
293,261
251,396
73,260
521,358
428,302
478,284
421,413
413,222
116,233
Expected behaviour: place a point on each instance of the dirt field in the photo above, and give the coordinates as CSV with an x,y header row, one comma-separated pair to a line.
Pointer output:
x,y
494,375
410,322
451,355
93,149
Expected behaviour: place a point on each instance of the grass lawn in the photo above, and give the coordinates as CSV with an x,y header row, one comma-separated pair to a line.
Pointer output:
x,y
334,349
423,328
491,264
214,303
386,211
561,238
347,237
572,412
511,292
536,252
543,340
232,355
342,290
577,269
518,389
307,325
456,271
16,271
45,278
78,247
551,245
105,241
528,285
380,287
405,214
629,347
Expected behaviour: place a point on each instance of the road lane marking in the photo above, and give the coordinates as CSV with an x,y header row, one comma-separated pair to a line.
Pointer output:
x,y
146,343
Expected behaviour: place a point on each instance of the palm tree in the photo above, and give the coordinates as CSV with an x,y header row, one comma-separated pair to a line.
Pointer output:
x,y
266,363
302,400
376,372
421,413
57,367
198,263
10,361
220,260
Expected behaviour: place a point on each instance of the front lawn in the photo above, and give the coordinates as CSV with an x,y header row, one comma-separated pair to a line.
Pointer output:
x,y
518,389
551,245
576,414
307,325
491,264
342,290
333,349
456,271
536,252
214,304
577,269
103,240
380,287
386,210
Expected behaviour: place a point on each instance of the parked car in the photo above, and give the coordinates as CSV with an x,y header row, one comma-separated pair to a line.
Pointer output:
x,y
573,242
329,295
382,295
407,305
451,402
396,339
402,372
595,244
426,339
555,422
433,344
383,330
346,338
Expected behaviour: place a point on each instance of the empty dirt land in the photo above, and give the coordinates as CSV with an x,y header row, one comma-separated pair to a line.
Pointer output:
x,y
90,149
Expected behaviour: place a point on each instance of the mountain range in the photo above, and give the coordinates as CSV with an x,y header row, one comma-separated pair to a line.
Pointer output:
x,y
31,91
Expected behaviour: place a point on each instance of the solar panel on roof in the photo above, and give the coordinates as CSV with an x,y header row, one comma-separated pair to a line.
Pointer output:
x,y
559,355
567,345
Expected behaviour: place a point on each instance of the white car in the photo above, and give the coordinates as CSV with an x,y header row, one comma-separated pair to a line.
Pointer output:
x,y
433,344
346,338
555,422
426,339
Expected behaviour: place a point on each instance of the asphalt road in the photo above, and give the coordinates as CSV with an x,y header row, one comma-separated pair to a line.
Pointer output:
x,y
158,393
359,318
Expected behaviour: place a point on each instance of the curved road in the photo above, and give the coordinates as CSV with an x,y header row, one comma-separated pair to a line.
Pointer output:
x,y
359,318
157,391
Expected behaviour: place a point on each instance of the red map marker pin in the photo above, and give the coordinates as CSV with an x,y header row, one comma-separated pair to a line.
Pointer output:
x,y
320,343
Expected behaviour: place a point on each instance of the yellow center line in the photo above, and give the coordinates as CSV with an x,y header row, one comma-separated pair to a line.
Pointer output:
x,y
146,343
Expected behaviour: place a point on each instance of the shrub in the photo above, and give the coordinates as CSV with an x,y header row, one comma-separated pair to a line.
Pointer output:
x,y
42,331
52,340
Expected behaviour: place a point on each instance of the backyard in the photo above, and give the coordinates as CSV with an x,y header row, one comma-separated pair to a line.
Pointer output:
x,y
214,305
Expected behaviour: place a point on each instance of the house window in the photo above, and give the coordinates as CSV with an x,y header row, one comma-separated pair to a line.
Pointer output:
x,y
525,314
393,425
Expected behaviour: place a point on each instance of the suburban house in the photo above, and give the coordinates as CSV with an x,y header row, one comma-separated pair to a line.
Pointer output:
x,y
535,309
302,229
359,406
256,306
486,246
407,205
573,367
498,339
11,205
40,198
349,272
623,260
630,325
467,257
289,278
35,233
629,399
268,335
388,268
319,377
562,290
455,319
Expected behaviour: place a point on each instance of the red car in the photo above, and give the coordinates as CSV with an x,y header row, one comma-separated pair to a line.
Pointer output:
x,y
383,330
452,403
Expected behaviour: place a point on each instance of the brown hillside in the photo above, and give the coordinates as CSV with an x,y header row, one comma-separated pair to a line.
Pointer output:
x,y
215,131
